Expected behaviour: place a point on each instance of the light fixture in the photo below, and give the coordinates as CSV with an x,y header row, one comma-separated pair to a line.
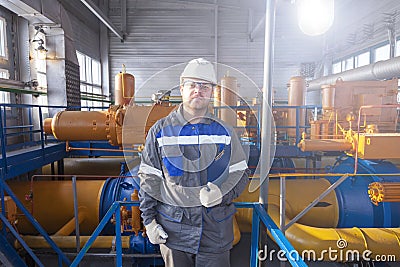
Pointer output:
x,y
315,17
41,50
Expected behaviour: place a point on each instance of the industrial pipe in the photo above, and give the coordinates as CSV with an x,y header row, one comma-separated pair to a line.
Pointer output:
x,y
119,125
228,99
296,97
325,145
380,70
317,230
52,204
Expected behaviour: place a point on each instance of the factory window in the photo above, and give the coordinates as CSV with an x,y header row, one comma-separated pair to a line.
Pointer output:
x,y
348,64
337,67
3,40
90,76
382,53
4,96
362,59
397,48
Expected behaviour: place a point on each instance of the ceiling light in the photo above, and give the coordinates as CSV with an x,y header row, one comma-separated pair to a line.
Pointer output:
x,y
315,17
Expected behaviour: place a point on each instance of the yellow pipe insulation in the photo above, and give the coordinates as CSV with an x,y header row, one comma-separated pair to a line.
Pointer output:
x,y
316,230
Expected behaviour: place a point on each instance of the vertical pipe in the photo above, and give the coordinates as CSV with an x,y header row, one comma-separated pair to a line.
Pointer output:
x,y
76,214
229,99
267,100
392,39
296,97
41,132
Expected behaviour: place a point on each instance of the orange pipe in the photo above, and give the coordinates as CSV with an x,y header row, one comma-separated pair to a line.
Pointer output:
x,y
228,98
325,145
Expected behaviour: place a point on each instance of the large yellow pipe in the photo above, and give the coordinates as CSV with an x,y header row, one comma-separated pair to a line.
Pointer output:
x,y
316,230
299,193
380,241
78,125
53,206
53,209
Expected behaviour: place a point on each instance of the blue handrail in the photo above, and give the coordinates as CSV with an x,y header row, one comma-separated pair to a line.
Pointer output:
x,y
259,213
21,241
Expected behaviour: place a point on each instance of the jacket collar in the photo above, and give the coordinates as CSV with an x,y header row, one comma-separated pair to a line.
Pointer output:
x,y
207,119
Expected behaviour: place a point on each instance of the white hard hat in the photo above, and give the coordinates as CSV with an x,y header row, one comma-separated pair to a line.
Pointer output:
x,y
200,68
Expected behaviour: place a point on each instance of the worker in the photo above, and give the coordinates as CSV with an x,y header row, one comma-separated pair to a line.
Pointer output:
x,y
192,168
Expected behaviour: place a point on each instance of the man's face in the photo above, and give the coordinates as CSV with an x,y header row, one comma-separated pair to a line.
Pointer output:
x,y
196,94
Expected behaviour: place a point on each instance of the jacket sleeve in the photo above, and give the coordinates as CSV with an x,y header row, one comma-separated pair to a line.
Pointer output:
x,y
151,175
237,180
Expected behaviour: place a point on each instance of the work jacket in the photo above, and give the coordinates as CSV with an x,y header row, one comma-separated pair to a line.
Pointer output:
x,y
178,160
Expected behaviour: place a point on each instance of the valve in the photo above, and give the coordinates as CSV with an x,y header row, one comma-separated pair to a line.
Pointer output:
x,y
384,192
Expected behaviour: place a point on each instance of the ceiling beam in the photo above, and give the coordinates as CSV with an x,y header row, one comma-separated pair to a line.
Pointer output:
x,y
103,18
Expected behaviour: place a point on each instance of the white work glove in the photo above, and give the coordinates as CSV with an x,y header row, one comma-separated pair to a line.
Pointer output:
x,y
156,233
210,195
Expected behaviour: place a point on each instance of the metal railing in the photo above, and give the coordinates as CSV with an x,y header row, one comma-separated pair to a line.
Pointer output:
x,y
259,214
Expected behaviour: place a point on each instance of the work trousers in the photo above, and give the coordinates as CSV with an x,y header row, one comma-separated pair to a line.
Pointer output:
x,y
178,258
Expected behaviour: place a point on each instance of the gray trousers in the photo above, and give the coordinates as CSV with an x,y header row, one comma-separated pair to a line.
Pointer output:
x,y
177,258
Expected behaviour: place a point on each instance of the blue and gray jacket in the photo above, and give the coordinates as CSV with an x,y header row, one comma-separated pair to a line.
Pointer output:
x,y
178,160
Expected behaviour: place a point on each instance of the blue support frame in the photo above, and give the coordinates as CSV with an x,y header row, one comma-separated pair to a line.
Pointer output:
x,y
35,153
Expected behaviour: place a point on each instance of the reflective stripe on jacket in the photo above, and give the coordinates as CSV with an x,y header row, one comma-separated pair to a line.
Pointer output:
x,y
178,160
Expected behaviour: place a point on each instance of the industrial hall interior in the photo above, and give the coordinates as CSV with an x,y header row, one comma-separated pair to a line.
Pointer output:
x,y
200,133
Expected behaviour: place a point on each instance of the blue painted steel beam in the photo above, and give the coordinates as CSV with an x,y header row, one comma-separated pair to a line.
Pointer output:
x,y
278,236
19,238
96,233
22,163
118,240
35,224
260,213
255,234
10,253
